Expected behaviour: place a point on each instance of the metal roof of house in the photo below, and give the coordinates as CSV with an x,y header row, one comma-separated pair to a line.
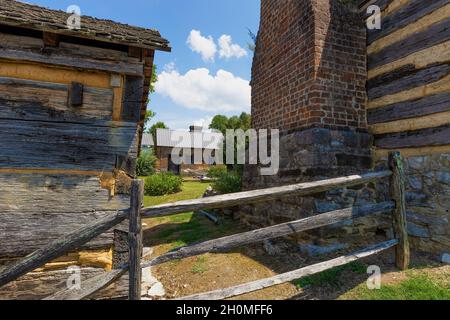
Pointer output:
x,y
19,14
184,139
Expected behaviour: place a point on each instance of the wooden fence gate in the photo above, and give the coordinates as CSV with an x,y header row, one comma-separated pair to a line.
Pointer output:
x,y
135,213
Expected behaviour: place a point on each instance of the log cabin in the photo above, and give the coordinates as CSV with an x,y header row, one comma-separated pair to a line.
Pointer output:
x,y
72,108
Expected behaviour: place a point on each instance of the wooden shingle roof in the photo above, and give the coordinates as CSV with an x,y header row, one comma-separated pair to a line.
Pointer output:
x,y
19,14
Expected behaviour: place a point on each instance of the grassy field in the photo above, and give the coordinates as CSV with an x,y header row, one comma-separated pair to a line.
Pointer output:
x,y
191,190
420,283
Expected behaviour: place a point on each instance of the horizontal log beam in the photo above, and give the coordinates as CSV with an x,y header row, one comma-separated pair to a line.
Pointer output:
x,y
263,195
281,230
60,247
89,287
293,275
93,285
410,109
405,78
409,13
73,62
413,139
366,3
432,36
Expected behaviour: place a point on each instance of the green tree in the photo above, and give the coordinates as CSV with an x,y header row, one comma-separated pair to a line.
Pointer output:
x,y
223,123
149,115
220,123
155,127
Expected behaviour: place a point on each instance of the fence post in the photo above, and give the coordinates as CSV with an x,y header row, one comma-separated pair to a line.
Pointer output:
x,y
402,251
135,240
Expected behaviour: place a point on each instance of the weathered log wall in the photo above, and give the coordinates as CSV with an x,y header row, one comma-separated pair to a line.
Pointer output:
x,y
409,107
69,131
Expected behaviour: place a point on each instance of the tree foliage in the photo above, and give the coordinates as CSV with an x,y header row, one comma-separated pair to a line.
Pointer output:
x,y
154,128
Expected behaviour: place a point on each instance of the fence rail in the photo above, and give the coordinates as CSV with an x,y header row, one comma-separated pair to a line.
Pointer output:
x,y
78,238
293,275
277,231
262,195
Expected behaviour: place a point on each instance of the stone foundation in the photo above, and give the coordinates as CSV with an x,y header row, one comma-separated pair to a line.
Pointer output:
x,y
316,154
427,200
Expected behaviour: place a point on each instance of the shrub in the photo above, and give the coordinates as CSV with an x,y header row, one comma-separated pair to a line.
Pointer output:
x,y
161,184
216,171
228,182
145,164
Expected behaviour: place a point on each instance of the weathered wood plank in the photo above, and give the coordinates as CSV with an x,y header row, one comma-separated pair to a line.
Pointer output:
x,y
402,251
50,39
73,62
263,195
89,287
413,139
410,109
407,14
92,286
432,36
11,41
380,3
135,240
37,100
55,249
406,78
293,275
281,230
73,146
46,194
132,99
39,285
22,233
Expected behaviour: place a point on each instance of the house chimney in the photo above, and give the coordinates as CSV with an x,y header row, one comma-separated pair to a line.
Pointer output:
x,y
308,81
195,128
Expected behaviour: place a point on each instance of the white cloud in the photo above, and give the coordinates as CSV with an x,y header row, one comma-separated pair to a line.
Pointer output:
x,y
230,50
198,89
169,66
205,46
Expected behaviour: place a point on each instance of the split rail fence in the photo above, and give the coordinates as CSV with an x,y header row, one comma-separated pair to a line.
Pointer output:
x,y
135,213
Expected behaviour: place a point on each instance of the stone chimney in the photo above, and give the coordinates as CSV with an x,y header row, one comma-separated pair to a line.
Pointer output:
x,y
308,80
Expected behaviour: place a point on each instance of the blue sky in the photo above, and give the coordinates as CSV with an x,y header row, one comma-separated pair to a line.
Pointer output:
x,y
197,85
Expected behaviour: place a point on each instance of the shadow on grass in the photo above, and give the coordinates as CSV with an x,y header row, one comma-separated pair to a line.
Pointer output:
x,y
185,229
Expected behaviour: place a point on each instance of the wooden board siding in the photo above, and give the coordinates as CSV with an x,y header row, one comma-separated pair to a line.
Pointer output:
x,y
38,285
65,55
408,14
38,208
38,100
70,146
409,76
44,73
54,157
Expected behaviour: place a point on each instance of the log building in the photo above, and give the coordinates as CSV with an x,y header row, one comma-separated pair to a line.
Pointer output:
x,y
194,144
72,106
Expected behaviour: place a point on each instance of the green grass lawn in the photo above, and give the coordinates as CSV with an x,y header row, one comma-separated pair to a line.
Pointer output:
x,y
185,228
419,283
417,287
191,190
